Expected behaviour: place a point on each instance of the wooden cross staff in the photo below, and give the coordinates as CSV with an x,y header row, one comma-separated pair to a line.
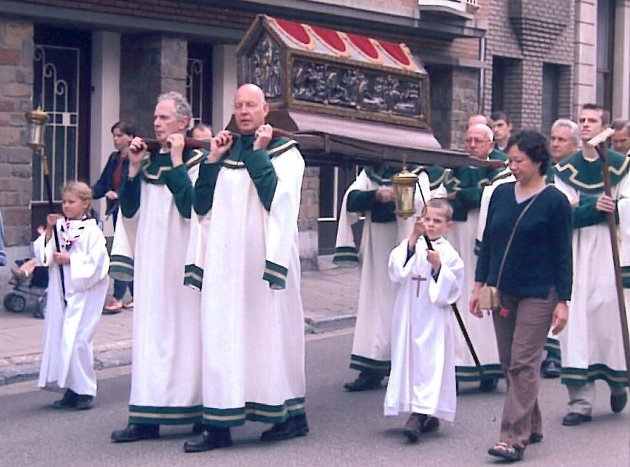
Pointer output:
x,y
599,143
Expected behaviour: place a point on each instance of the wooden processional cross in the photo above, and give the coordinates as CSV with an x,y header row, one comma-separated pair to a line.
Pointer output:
x,y
419,279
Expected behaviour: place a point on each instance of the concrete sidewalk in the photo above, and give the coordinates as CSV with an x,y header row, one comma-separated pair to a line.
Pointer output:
x,y
329,297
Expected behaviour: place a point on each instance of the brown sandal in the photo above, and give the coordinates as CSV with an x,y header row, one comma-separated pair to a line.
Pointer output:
x,y
506,451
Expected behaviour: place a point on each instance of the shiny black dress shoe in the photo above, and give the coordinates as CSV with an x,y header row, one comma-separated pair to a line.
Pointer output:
x,y
574,419
211,437
618,401
84,402
430,423
68,401
290,428
550,369
136,432
364,382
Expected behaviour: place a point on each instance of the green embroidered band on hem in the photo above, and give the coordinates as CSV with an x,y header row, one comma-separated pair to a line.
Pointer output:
x,y
193,276
552,344
165,415
368,365
275,274
471,373
121,268
580,376
477,247
346,256
625,276
253,411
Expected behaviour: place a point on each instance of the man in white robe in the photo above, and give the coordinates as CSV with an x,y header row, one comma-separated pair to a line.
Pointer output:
x,y
149,247
422,379
591,344
464,187
246,261
372,196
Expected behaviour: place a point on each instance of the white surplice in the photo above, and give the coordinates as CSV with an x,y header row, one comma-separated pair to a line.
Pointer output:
x,y
68,359
422,378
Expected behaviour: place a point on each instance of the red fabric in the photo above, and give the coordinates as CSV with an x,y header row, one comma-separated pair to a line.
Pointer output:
x,y
364,45
295,30
117,176
331,38
396,51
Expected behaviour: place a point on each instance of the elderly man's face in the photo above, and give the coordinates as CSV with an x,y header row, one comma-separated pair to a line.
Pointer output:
x,y
250,109
165,121
561,144
477,143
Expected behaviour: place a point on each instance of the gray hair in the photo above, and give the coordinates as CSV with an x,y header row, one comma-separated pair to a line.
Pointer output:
x,y
571,125
485,128
182,107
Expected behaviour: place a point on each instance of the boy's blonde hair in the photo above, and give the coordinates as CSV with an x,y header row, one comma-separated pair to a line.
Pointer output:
x,y
443,205
80,189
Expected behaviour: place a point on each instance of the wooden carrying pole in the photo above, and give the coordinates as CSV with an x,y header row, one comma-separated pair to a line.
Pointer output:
x,y
599,143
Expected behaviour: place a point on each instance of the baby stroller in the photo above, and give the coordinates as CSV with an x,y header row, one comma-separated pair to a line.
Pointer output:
x,y
32,289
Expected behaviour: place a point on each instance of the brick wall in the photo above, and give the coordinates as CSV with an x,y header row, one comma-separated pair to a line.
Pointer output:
x,y
532,32
16,83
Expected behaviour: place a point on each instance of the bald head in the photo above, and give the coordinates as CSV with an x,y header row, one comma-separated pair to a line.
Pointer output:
x,y
478,142
250,108
477,119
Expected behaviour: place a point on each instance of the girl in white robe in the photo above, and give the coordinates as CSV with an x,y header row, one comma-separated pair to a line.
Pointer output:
x,y
76,292
422,378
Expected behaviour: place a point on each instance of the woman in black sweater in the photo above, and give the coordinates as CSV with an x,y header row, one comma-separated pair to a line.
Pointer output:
x,y
534,282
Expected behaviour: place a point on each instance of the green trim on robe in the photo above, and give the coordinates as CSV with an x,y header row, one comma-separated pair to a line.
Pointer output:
x,y
365,201
129,196
121,268
178,182
467,183
254,411
276,275
580,376
193,276
204,187
471,373
368,365
165,415
437,176
497,155
586,176
625,276
552,344
346,256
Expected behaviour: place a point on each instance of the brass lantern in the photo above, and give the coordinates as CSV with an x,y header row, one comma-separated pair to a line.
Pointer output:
x,y
405,189
36,127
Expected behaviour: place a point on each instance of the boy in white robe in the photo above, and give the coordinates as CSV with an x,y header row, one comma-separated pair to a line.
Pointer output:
x,y
430,276
74,305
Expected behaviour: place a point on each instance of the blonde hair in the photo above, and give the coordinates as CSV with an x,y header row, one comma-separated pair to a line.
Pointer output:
x,y
443,205
80,189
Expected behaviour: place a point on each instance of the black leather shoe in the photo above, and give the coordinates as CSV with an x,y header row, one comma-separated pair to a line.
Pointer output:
x,y
84,402
211,437
136,432
550,369
290,428
430,424
68,401
413,427
364,382
618,401
574,419
488,384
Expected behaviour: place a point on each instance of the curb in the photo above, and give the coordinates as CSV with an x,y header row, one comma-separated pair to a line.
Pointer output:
x,y
26,367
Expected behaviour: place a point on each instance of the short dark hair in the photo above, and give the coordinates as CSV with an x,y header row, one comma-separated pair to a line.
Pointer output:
x,y
125,127
500,115
605,113
534,145
619,124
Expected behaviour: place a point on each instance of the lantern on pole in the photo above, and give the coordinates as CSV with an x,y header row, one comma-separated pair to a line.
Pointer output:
x,y
405,189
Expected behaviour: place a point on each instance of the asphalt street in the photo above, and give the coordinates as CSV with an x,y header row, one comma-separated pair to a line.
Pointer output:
x,y
346,429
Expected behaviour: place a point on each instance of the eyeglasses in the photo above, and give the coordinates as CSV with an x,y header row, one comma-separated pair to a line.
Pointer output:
x,y
475,140
239,106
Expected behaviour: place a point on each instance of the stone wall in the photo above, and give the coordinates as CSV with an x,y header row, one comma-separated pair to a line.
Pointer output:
x,y
307,220
16,85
